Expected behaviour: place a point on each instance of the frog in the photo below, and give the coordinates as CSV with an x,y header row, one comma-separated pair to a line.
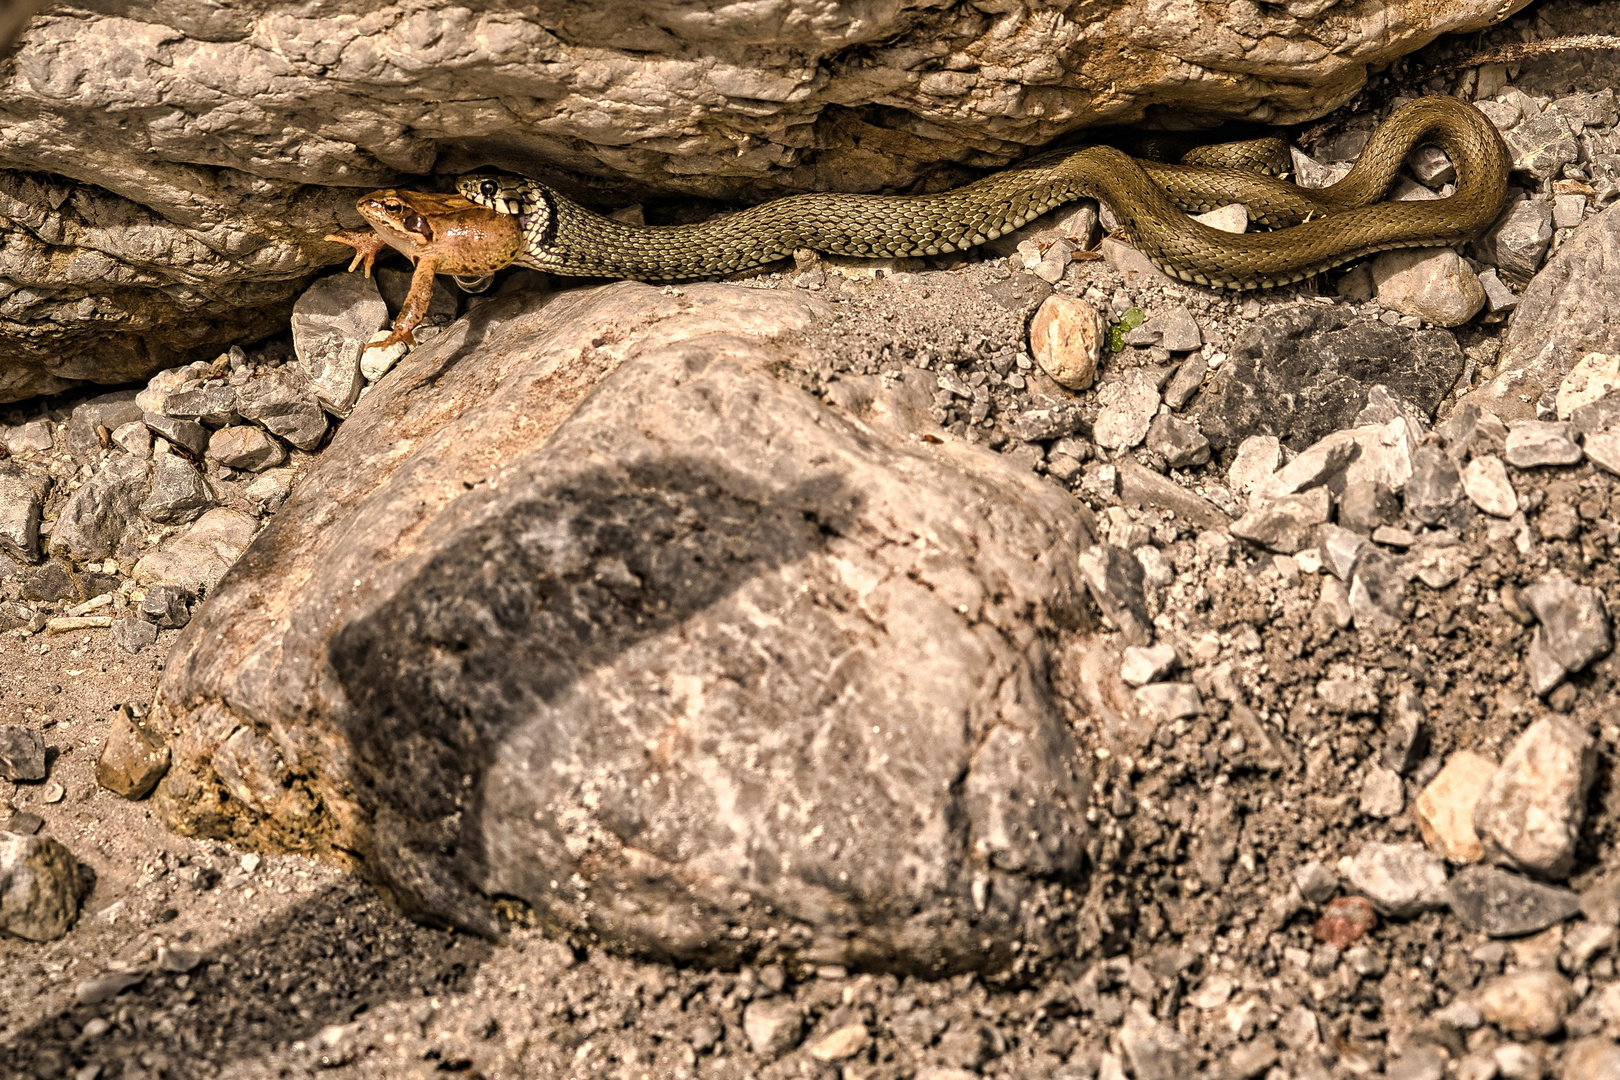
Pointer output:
x,y
441,234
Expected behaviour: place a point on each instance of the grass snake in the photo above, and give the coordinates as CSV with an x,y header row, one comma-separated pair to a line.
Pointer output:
x,y
1313,229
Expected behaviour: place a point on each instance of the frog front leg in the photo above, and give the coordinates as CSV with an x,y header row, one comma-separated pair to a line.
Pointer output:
x,y
366,245
416,305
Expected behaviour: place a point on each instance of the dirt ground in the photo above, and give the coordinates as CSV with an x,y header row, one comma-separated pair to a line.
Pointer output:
x,y
191,959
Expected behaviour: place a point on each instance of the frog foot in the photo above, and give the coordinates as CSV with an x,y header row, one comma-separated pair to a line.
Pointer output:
x,y
366,245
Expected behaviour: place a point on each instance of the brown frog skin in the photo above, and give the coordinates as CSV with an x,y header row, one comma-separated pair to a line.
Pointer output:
x,y
441,234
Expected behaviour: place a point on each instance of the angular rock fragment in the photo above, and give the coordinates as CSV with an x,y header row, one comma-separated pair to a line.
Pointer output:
x,y
1377,592
1535,443
1175,330
95,521
179,494
285,407
1128,407
1257,457
331,323
1407,736
1114,577
1485,479
1433,284
1490,900
22,753
1178,441
22,497
1144,664
1526,1004
1530,814
187,434
1382,794
1444,812
1435,487
1574,623
1365,505
773,1026
198,555
1287,524
1186,381
1519,242
1402,880
245,448
210,406
166,606
1161,702
134,758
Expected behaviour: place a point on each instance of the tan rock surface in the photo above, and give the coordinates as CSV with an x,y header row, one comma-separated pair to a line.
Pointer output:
x,y
1445,810
555,606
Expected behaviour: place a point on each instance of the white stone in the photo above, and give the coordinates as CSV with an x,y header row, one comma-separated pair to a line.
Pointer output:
x,y
1169,701
1593,377
1530,814
1142,664
1486,483
1128,404
1382,793
1257,458
1232,218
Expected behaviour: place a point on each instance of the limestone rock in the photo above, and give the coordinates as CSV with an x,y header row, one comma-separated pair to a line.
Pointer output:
x,y
331,324
1485,479
1445,810
179,494
1401,880
1435,285
133,760
199,554
40,887
773,1026
1526,1004
246,448
22,496
95,521
1531,812
556,657
1572,308
1128,406
1306,371
1066,336
142,244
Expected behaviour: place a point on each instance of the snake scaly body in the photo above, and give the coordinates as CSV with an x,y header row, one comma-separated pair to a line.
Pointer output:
x,y
1315,229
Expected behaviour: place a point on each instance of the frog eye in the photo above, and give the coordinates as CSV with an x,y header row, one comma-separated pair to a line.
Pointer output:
x,y
489,189
394,206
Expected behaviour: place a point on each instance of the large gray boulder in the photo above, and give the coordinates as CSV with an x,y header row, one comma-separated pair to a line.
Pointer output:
x,y
167,170
583,606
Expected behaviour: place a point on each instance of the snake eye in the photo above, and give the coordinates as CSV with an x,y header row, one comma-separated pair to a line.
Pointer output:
x,y
489,189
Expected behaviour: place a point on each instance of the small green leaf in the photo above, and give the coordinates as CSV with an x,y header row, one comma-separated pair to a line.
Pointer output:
x,y
1129,321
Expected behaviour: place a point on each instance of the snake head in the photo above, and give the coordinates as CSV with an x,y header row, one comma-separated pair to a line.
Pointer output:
x,y
532,203
502,194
